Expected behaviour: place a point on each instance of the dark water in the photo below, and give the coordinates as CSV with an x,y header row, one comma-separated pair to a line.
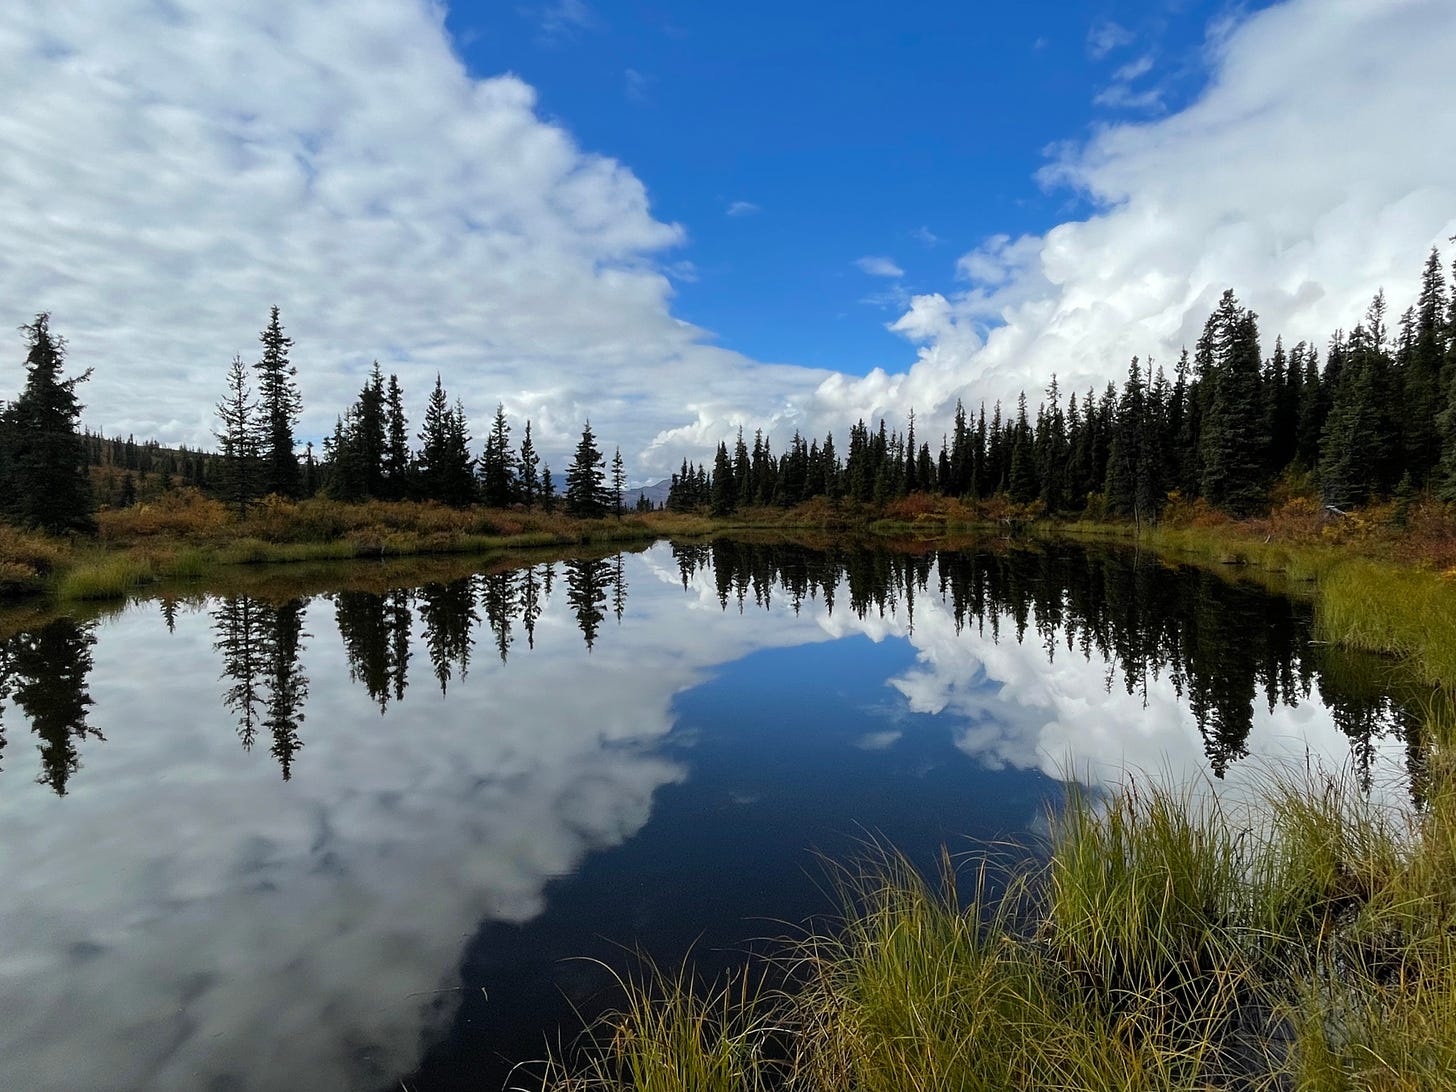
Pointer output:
x,y
361,838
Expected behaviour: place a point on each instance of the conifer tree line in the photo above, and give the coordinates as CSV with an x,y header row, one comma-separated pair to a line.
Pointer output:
x,y
372,456
46,458
1375,417
1370,415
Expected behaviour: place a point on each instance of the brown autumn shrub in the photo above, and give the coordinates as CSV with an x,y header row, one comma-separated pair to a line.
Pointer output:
x,y
31,551
182,512
914,507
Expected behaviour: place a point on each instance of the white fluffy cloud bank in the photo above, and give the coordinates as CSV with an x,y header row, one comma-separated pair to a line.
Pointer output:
x,y
1315,169
172,169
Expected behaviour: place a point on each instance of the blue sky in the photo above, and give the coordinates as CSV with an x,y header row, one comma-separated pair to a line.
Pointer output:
x,y
682,220
793,140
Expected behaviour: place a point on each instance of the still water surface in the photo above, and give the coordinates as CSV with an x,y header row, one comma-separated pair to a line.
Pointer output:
x,y
359,838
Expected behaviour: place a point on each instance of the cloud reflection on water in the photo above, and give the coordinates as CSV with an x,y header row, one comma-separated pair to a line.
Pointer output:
x,y
184,918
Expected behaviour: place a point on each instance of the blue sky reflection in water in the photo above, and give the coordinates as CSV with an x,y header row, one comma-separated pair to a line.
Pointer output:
x,y
184,917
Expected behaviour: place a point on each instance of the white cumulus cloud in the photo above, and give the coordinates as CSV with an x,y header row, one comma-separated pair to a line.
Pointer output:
x,y
1307,176
175,169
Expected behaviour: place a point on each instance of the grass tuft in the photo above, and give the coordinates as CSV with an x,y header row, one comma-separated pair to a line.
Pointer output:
x,y
112,578
677,1034
1307,940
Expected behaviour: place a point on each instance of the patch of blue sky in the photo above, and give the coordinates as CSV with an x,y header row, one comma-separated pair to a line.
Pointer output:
x,y
795,143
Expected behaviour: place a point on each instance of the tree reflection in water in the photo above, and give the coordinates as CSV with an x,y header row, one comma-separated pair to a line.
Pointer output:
x,y
1220,644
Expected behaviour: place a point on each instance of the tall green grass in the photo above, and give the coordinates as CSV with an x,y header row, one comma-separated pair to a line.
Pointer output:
x,y
1167,942
111,578
676,1034
1409,613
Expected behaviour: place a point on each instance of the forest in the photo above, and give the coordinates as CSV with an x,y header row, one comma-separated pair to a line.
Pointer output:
x,y
1371,417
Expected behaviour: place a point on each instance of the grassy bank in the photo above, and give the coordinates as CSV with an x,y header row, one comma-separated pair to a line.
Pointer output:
x,y
1381,580
184,536
1305,939
1169,942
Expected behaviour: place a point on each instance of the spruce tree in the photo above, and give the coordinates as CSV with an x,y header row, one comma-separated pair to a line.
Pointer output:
x,y
238,438
280,405
445,465
357,450
42,453
529,462
1359,444
1421,400
499,481
585,477
724,493
1022,468
398,464
619,482
1234,442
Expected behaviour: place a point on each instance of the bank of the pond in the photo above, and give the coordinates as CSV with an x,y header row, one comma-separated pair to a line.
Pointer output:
x,y
186,537
1303,940
1382,580
1388,591
1306,940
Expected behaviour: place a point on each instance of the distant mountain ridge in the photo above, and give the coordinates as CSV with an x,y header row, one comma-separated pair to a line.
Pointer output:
x,y
656,493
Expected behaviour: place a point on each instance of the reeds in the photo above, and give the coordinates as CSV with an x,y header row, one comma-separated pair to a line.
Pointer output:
x,y
676,1034
1167,942
109,578
1408,613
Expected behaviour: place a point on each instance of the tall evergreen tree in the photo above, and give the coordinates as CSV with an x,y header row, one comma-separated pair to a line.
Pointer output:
x,y
724,491
529,462
1421,374
398,463
357,450
499,480
1235,440
1359,445
585,479
280,405
1022,469
42,453
619,483
238,438
445,467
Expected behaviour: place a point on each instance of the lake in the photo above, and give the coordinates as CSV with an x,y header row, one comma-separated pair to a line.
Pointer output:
x,y
369,827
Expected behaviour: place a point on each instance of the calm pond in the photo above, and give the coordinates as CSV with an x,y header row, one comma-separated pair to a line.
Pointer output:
x,y
355,830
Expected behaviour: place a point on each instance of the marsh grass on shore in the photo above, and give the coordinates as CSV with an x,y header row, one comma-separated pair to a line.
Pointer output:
x,y
185,537
1305,939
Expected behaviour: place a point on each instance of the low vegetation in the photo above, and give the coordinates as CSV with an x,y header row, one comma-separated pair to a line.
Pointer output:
x,y
1163,939
184,536
1166,942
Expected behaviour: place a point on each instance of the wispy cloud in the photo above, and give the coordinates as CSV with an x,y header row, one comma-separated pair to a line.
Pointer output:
x,y
638,85
1121,94
879,266
1106,36
561,18
1134,69
743,208
893,296
925,236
